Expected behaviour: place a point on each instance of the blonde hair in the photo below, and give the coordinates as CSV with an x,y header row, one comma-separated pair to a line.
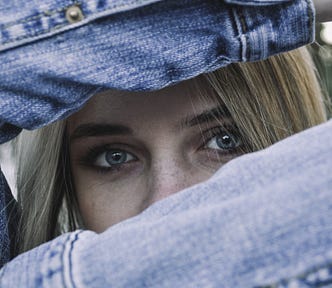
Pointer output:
x,y
268,101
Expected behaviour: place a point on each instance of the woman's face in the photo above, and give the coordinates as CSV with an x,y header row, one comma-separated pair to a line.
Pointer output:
x,y
131,149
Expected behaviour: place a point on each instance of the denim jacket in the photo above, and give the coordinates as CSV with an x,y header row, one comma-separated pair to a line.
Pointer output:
x,y
55,54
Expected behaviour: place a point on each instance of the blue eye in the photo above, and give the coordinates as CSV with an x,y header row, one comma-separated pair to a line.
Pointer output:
x,y
224,141
113,157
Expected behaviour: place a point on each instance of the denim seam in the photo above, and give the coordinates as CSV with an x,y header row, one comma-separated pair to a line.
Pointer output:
x,y
56,251
244,34
62,256
48,13
70,258
241,29
37,34
122,5
310,14
68,255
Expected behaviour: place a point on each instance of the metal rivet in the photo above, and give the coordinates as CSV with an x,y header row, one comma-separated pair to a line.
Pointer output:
x,y
74,14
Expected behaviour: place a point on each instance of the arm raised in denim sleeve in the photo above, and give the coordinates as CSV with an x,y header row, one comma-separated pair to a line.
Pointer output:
x,y
252,230
51,64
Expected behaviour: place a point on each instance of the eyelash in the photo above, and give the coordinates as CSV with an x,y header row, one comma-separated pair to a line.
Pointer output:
x,y
91,155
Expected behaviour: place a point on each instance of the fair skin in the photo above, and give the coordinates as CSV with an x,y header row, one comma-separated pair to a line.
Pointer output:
x,y
131,149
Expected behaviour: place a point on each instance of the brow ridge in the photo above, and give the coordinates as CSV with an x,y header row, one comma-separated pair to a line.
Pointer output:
x,y
210,115
99,129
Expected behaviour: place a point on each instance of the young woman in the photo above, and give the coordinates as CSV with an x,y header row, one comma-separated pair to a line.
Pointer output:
x,y
126,150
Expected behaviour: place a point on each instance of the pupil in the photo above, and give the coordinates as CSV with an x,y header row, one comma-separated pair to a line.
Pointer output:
x,y
226,139
225,142
115,157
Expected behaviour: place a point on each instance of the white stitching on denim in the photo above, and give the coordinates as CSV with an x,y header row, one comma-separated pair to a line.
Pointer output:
x,y
47,13
52,12
241,33
310,15
35,35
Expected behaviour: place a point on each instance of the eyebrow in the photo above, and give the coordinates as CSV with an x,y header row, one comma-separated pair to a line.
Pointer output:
x,y
99,129
210,115
104,129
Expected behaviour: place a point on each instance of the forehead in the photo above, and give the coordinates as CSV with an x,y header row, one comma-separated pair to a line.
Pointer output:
x,y
130,108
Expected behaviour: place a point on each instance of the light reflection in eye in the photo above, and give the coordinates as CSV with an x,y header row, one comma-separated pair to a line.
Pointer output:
x,y
224,141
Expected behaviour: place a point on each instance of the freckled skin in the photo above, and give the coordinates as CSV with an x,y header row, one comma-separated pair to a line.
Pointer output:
x,y
167,158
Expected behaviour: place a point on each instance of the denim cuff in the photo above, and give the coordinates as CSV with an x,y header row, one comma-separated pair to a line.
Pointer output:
x,y
289,25
56,54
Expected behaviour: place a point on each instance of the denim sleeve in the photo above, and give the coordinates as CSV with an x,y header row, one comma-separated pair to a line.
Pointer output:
x,y
252,230
55,54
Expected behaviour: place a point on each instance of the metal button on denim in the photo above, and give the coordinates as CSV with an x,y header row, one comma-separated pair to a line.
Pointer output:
x,y
124,51
74,14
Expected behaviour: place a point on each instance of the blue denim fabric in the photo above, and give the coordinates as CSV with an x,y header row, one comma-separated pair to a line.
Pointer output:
x,y
50,66
250,230
8,221
4,233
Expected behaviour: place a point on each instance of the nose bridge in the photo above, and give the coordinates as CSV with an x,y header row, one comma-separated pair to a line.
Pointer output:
x,y
169,173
